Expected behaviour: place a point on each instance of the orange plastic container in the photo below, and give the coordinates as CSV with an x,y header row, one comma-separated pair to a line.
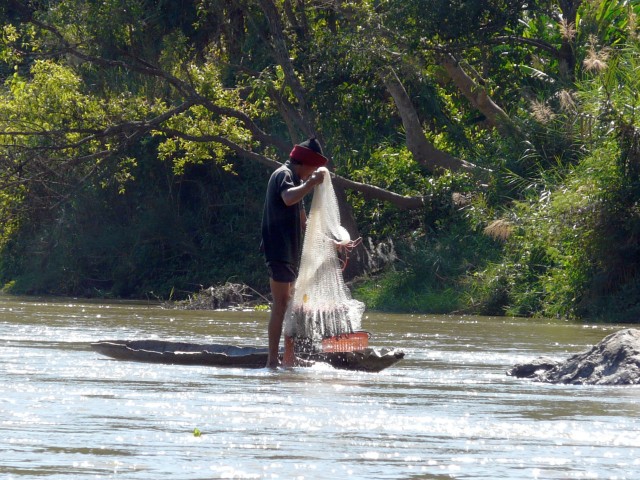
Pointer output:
x,y
346,343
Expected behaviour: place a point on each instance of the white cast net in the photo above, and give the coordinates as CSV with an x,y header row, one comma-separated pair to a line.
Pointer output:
x,y
322,306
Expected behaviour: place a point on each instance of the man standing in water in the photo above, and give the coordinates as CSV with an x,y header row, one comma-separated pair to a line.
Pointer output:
x,y
283,222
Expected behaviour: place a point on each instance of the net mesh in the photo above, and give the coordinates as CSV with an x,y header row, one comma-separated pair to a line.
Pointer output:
x,y
322,306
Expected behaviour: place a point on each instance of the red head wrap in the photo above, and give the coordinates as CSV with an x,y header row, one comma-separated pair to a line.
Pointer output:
x,y
306,156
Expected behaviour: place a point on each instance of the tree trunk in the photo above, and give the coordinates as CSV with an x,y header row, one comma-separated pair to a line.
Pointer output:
x,y
235,31
478,97
423,151
299,27
567,56
283,58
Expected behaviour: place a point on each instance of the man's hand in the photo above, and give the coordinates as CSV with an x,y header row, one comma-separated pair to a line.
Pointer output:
x,y
347,246
344,249
315,178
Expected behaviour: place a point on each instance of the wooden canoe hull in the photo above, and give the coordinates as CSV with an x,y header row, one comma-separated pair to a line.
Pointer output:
x,y
219,355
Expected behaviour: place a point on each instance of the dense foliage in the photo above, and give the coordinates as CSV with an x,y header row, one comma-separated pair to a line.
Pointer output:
x,y
488,151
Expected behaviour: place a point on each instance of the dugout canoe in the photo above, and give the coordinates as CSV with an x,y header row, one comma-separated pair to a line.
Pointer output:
x,y
220,355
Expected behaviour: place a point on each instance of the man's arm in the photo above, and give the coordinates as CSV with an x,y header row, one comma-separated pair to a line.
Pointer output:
x,y
293,195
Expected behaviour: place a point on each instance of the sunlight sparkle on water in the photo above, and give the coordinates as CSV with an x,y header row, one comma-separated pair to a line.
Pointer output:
x,y
447,409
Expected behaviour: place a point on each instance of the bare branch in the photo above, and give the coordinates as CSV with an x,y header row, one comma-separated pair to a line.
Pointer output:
x,y
371,191
534,42
400,201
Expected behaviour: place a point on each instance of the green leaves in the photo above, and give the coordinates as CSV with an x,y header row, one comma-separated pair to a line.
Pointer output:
x,y
94,93
574,248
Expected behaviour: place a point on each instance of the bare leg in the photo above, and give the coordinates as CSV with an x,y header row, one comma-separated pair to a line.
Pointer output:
x,y
281,293
289,358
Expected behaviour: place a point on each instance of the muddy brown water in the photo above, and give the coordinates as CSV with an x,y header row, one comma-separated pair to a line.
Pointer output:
x,y
446,411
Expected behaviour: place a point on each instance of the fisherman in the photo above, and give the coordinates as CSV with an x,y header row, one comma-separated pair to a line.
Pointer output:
x,y
283,222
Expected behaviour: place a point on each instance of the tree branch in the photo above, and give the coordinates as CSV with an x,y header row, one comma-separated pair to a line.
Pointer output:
x,y
184,88
478,96
400,201
371,191
283,58
138,128
420,147
534,42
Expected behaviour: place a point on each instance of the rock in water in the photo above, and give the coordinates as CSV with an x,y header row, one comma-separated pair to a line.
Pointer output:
x,y
532,369
613,361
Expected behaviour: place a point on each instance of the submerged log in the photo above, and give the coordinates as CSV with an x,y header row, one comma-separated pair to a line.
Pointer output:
x,y
613,361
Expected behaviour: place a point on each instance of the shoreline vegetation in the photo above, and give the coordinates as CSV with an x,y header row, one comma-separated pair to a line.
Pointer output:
x,y
487,152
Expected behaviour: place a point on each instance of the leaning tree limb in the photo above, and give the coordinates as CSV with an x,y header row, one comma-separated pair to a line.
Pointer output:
x,y
423,151
478,96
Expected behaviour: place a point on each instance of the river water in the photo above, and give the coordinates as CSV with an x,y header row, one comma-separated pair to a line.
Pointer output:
x,y
446,411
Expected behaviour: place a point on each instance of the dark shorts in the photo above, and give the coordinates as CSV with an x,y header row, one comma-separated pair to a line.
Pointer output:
x,y
282,272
